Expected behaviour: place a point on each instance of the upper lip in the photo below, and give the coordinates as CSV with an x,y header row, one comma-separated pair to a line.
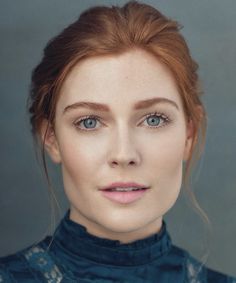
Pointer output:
x,y
124,185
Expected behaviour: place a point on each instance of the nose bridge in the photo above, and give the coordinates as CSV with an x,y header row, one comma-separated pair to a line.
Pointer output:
x,y
122,137
123,146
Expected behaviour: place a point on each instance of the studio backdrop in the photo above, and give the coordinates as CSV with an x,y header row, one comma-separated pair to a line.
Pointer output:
x,y
210,30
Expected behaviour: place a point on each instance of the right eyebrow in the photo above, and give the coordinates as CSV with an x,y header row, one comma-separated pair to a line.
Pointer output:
x,y
149,102
105,108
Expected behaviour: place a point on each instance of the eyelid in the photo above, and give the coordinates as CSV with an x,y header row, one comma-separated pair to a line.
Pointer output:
x,y
156,113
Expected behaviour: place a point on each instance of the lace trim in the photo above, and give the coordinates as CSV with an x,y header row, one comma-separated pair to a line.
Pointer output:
x,y
40,260
194,271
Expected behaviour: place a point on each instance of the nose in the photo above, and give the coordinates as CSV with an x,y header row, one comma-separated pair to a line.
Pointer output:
x,y
123,150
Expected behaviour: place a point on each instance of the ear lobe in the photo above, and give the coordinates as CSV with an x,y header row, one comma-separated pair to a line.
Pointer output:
x,y
189,140
49,139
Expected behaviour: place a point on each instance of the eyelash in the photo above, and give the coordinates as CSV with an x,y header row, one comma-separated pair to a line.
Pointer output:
x,y
165,118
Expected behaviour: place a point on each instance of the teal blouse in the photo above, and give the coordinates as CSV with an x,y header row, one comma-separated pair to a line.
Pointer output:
x,y
71,254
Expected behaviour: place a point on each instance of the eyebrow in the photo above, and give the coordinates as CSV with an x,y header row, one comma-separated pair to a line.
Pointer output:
x,y
105,108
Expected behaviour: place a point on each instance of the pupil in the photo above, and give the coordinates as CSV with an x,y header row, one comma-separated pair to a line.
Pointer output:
x,y
152,120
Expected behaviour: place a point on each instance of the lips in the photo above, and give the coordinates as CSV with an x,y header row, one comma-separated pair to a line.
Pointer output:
x,y
125,197
124,185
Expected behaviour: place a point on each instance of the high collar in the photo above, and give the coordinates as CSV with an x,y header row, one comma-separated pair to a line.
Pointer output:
x,y
75,240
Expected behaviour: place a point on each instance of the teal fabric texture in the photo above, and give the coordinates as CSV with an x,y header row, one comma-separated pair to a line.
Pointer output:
x,y
72,254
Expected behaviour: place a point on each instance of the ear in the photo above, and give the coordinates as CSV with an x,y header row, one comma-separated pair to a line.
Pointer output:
x,y
191,133
189,139
48,136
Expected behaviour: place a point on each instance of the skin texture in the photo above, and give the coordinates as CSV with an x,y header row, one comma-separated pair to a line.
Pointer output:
x,y
123,146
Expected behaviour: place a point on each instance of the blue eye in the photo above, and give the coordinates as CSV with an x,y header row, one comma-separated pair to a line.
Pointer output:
x,y
89,122
154,120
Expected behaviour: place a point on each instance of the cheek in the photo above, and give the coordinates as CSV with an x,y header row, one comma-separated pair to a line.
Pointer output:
x,y
166,169
79,156
167,150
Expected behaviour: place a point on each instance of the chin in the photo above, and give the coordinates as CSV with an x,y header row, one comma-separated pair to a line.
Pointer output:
x,y
125,226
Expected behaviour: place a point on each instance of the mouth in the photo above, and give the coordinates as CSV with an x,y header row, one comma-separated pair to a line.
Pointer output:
x,y
124,186
124,195
118,189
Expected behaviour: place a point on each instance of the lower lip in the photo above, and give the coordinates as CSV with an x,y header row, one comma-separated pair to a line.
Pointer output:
x,y
124,197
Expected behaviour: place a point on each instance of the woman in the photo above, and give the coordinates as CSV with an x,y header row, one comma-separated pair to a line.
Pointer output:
x,y
115,101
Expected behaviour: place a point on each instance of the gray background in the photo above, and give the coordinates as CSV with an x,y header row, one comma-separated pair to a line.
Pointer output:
x,y
210,30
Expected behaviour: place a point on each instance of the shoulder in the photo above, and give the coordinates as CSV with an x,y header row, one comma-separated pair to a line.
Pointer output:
x,y
32,264
197,271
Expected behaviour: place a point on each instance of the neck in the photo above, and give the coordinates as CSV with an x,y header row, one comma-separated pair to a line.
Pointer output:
x,y
123,235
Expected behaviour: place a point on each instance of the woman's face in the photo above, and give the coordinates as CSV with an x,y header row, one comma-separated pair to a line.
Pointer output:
x,y
121,144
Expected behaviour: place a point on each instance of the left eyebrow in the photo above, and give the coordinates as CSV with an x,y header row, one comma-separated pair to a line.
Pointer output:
x,y
105,108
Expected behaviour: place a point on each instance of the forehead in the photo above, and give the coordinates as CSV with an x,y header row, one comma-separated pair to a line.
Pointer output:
x,y
118,79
